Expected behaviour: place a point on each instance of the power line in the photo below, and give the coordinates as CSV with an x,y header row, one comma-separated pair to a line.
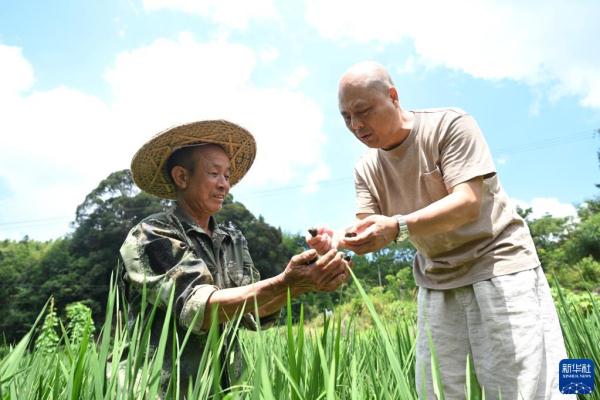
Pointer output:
x,y
326,184
549,142
33,221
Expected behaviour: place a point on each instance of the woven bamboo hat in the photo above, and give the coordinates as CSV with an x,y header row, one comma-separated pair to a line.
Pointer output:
x,y
148,164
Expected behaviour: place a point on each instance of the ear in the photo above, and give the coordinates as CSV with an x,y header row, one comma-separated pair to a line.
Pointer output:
x,y
180,176
394,95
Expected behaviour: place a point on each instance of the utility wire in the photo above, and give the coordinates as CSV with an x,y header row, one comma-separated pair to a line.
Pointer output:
x,y
34,221
549,142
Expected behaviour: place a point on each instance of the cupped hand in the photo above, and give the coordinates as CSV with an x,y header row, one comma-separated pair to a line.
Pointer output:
x,y
372,233
327,273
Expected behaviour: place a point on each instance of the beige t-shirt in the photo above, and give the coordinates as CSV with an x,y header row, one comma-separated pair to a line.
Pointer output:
x,y
444,148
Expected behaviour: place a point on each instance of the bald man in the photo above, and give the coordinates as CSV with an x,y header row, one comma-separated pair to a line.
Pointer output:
x,y
429,178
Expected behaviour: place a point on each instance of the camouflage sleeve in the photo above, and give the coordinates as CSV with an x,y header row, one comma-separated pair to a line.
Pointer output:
x,y
251,275
155,255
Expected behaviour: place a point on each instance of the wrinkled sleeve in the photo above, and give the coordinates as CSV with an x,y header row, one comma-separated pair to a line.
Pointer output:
x,y
155,255
464,152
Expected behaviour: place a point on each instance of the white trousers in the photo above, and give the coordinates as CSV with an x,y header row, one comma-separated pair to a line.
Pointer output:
x,y
509,326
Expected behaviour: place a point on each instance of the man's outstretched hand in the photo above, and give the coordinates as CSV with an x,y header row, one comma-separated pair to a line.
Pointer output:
x,y
370,234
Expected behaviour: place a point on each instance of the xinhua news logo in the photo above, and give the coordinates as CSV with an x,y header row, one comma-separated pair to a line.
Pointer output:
x,y
576,376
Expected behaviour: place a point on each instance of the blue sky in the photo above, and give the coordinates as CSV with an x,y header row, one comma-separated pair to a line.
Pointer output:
x,y
84,84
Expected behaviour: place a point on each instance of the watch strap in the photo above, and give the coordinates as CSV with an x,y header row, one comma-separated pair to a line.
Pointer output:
x,y
403,232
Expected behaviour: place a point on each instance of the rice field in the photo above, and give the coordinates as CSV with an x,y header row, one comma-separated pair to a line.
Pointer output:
x,y
337,361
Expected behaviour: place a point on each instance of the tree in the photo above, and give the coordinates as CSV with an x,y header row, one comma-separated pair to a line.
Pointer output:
x,y
585,240
547,231
19,262
598,154
102,222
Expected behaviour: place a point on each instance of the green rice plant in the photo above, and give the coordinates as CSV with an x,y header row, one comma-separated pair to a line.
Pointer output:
x,y
336,360
581,331
48,338
80,322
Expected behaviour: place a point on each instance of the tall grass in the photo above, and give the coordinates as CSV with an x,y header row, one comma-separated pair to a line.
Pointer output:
x,y
581,330
338,361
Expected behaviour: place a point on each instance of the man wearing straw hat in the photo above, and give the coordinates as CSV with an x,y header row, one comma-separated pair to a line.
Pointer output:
x,y
429,177
206,265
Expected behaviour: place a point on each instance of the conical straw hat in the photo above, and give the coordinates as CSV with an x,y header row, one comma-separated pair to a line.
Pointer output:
x,y
148,164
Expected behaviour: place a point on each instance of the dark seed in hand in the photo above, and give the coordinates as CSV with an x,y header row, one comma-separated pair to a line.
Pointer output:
x,y
312,231
350,234
347,257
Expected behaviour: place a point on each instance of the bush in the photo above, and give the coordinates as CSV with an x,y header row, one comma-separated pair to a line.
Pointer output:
x,y
48,339
80,321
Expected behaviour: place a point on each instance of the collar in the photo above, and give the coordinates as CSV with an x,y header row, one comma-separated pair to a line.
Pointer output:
x,y
399,150
189,224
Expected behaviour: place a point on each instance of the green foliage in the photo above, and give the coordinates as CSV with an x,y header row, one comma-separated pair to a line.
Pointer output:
x,y
581,330
402,281
339,360
547,231
589,208
102,222
387,303
80,323
585,239
570,250
583,302
48,339
80,326
583,275
524,212
19,261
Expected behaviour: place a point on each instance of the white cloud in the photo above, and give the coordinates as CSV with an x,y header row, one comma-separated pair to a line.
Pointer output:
x,y
62,142
541,43
297,77
173,81
409,67
17,72
235,14
268,54
502,160
547,206
56,146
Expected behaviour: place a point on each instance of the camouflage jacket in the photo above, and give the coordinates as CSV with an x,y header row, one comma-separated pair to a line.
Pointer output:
x,y
169,251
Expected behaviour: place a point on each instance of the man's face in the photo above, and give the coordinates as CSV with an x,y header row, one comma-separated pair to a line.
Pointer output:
x,y
208,183
370,114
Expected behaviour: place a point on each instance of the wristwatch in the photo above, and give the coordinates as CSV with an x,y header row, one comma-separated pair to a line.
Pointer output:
x,y
402,229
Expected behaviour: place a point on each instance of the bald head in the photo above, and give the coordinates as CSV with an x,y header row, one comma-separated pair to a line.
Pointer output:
x,y
369,104
366,74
